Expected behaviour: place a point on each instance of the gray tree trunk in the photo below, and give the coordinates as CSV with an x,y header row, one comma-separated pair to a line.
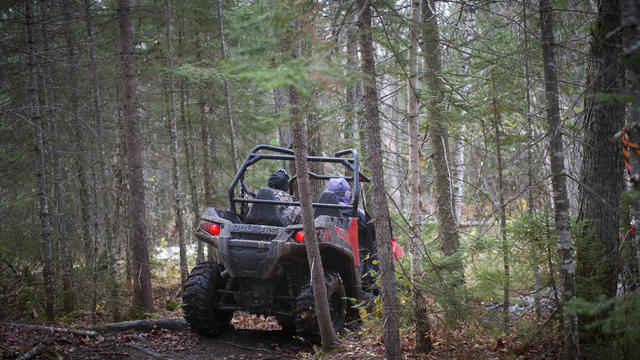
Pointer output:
x,y
502,210
137,211
103,171
438,136
68,294
391,337
316,269
206,169
423,337
175,166
227,91
558,179
530,167
50,112
602,171
40,172
327,334
189,149
351,92
631,50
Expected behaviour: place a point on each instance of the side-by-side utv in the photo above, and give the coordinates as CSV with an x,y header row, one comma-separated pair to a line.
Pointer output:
x,y
263,268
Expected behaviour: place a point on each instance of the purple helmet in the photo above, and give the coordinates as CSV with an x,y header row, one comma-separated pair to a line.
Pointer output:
x,y
341,188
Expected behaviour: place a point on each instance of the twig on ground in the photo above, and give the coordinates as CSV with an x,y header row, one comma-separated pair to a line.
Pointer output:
x,y
146,351
113,354
244,347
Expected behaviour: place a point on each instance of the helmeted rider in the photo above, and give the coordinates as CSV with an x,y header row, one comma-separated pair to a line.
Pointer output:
x,y
279,183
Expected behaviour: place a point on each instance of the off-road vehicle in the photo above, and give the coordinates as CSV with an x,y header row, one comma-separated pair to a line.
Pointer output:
x,y
263,266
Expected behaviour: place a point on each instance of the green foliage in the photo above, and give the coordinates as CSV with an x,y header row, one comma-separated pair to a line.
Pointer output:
x,y
618,317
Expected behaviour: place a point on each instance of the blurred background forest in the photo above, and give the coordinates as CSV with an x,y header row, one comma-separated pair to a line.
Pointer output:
x,y
522,205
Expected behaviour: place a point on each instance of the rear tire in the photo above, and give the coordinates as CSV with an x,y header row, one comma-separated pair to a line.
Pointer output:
x,y
200,300
305,319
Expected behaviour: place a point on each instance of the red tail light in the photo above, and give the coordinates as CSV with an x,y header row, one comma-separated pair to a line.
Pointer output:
x,y
211,228
300,236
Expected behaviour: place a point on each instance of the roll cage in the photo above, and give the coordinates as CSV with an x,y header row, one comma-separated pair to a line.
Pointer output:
x,y
351,164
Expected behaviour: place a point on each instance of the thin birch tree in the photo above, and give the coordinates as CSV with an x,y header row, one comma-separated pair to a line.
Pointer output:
x,y
423,339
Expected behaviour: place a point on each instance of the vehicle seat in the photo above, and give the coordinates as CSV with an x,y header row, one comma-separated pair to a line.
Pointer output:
x,y
265,214
327,197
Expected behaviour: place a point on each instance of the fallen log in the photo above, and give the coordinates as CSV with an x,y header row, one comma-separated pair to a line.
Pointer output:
x,y
81,332
143,325
36,350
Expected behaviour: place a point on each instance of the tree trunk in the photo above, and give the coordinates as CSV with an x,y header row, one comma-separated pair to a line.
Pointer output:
x,y
423,338
112,276
72,81
189,149
535,259
558,180
206,169
60,223
227,91
316,269
351,92
142,277
602,169
631,51
314,148
175,166
391,337
328,335
40,172
438,135
502,210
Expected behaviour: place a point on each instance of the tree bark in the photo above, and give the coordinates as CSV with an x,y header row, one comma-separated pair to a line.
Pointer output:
x,y
351,92
189,148
40,172
535,259
391,337
502,210
107,204
142,277
438,135
328,335
316,269
206,169
423,337
175,166
227,91
602,169
558,179
81,163
50,112
630,54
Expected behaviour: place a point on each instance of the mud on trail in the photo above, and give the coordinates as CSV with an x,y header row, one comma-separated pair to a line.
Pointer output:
x,y
252,338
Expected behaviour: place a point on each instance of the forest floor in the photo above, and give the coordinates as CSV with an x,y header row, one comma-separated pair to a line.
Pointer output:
x,y
256,338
